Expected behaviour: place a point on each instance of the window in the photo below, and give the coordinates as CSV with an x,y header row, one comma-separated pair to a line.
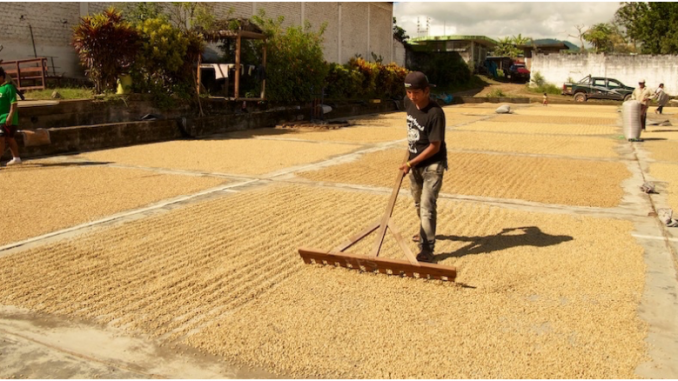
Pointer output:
x,y
612,84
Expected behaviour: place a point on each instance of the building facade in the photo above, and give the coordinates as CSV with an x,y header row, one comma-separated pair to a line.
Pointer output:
x,y
44,29
472,49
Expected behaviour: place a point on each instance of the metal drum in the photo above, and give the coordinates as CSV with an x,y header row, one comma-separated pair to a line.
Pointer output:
x,y
631,119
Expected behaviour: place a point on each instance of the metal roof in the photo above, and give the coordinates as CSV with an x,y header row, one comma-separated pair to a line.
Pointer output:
x,y
482,40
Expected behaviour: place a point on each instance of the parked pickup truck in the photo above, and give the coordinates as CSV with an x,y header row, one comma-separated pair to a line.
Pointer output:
x,y
597,88
518,73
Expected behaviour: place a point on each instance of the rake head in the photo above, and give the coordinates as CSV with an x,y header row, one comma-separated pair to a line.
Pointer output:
x,y
382,265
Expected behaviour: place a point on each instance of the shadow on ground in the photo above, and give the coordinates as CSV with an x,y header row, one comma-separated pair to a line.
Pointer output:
x,y
532,236
28,166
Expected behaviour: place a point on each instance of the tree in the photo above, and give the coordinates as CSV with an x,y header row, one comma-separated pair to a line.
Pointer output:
x,y
506,47
599,36
296,69
619,42
580,36
141,11
520,40
399,33
654,25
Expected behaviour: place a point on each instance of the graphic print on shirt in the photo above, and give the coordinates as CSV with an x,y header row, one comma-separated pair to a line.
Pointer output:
x,y
413,129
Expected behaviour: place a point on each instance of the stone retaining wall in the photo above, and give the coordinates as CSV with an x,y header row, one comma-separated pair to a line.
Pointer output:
x,y
173,125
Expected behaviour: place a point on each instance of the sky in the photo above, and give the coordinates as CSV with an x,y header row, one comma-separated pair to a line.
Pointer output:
x,y
503,19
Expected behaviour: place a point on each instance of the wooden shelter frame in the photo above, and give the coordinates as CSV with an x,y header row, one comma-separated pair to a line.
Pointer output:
x,y
238,35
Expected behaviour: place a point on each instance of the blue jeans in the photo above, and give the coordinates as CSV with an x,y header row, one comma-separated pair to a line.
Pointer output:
x,y
425,184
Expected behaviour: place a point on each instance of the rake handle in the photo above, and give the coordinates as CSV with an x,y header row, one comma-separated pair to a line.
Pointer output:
x,y
389,210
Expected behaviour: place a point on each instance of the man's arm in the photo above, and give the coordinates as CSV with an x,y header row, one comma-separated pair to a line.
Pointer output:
x,y
431,150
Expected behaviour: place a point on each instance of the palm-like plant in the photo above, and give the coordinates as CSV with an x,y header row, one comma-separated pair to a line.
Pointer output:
x,y
106,46
506,47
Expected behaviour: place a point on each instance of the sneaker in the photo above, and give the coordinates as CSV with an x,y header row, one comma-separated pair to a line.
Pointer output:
x,y
14,161
425,256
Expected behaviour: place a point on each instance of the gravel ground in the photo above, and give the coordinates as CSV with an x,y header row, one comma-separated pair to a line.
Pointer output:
x,y
574,146
660,150
563,120
222,155
544,127
571,111
538,295
667,172
532,293
49,197
365,132
552,180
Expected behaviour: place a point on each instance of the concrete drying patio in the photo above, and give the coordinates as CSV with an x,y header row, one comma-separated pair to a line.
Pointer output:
x,y
179,260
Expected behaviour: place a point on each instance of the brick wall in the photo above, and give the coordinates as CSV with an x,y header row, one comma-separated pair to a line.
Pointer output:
x,y
51,25
381,30
290,11
399,56
354,24
240,9
557,68
345,36
319,13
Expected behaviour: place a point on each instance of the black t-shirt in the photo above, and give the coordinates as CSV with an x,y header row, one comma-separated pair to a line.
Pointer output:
x,y
423,127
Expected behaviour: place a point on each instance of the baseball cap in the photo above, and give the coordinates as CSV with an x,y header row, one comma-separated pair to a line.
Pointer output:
x,y
417,80
641,81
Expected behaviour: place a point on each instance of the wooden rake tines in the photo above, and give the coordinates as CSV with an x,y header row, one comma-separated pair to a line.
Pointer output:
x,y
372,262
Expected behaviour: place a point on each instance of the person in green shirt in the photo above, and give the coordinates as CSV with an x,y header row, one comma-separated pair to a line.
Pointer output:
x,y
9,118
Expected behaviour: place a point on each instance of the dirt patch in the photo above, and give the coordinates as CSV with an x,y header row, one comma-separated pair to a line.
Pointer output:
x,y
574,146
569,111
394,130
662,150
538,288
667,172
52,196
538,179
223,155
541,119
515,125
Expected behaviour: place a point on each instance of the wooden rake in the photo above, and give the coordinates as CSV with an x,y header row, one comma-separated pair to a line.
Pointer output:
x,y
372,262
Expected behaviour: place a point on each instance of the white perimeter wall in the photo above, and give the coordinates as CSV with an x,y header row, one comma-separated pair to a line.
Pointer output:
x,y
557,68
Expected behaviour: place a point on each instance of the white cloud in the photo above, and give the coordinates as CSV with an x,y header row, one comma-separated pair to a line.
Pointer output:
x,y
497,20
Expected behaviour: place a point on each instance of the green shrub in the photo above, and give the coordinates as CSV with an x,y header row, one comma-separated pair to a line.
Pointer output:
x,y
496,93
548,88
107,46
343,82
161,55
538,84
370,72
537,79
390,81
444,69
296,69
360,79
